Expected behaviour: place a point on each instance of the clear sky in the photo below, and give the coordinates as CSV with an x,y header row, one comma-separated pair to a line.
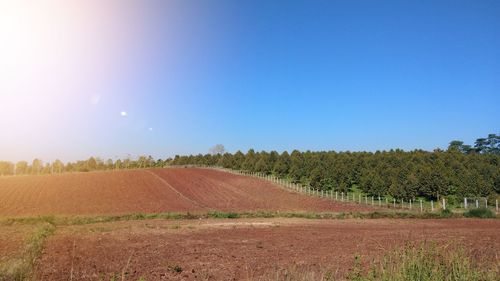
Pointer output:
x,y
112,78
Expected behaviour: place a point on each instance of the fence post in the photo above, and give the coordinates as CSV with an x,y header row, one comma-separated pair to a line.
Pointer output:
x,y
342,196
496,203
372,201
336,196
486,202
410,204
421,206
394,203
432,205
379,203
402,203
465,202
360,199
444,204
477,203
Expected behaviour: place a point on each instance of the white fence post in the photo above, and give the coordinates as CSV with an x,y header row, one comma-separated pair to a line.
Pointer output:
x,y
394,203
379,203
421,206
432,205
465,202
496,203
342,196
477,203
372,200
336,196
444,204
410,204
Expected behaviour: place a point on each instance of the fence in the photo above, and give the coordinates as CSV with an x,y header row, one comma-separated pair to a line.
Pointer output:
x,y
360,198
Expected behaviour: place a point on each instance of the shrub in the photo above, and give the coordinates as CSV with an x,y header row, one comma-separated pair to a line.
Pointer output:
x,y
479,213
446,213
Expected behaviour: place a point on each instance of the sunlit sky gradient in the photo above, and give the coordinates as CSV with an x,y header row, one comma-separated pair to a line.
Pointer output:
x,y
113,78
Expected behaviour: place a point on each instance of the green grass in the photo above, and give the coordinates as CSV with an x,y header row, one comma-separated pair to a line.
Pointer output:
x,y
21,268
223,215
428,262
479,213
412,262
81,220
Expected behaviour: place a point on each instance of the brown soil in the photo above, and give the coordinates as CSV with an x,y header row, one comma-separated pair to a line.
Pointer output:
x,y
150,191
12,240
242,249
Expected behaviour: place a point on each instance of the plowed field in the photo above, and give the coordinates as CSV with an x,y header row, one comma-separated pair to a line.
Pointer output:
x,y
245,249
150,191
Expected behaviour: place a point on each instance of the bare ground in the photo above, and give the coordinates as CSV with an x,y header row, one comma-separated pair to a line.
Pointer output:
x,y
243,249
151,191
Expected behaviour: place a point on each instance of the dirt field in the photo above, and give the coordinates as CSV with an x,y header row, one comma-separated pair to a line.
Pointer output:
x,y
150,191
12,240
243,249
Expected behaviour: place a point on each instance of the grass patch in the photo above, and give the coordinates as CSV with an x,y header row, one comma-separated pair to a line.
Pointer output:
x,y
479,213
223,215
446,213
21,268
81,220
420,261
428,262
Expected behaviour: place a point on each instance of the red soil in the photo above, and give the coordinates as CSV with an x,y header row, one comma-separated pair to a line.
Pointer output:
x,y
149,191
12,240
244,249
88,193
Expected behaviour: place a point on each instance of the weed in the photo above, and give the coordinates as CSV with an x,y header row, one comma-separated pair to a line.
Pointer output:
x,y
446,213
220,215
427,262
22,267
175,268
479,213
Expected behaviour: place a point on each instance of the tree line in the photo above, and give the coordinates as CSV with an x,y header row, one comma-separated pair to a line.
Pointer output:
x,y
454,173
38,167
460,171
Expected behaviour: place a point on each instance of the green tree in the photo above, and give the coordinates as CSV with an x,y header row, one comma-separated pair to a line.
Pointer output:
x,y
91,164
250,160
36,166
22,168
281,166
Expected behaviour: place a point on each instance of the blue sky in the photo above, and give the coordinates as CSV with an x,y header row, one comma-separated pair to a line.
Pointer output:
x,y
269,75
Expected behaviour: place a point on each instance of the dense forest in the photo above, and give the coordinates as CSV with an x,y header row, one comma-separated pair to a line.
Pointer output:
x,y
460,171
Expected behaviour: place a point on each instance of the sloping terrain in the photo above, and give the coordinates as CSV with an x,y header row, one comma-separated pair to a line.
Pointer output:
x,y
88,193
150,191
